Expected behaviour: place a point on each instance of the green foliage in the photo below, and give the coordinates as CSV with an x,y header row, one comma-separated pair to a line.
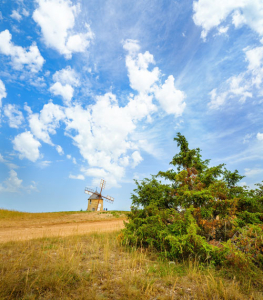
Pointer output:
x,y
201,212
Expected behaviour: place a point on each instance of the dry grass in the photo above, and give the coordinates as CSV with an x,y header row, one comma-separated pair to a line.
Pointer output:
x,y
96,266
11,218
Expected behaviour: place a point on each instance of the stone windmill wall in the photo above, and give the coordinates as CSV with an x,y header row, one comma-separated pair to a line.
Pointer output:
x,y
93,203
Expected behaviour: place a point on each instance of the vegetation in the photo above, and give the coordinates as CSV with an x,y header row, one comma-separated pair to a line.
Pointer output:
x,y
195,234
199,212
96,266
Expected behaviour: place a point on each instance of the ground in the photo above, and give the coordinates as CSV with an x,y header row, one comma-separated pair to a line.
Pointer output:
x,y
15,226
78,255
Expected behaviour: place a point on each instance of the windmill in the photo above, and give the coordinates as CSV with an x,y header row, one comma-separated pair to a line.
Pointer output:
x,y
96,199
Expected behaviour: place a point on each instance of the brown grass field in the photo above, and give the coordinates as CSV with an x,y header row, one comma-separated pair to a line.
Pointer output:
x,y
17,226
79,256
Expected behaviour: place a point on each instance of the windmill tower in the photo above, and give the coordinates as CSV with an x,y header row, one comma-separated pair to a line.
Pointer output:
x,y
95,201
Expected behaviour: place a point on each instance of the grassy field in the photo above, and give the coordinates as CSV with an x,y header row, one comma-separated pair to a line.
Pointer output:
x,y
97,266
12,218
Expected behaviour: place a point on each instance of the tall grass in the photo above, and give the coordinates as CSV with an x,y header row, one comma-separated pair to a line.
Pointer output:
x,y
96,266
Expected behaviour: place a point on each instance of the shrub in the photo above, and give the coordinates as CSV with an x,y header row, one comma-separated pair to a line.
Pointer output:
x,y
200,213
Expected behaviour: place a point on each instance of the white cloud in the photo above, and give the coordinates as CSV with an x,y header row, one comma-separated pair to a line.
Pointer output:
x,y
223,30
73,159
132,46
136,156
146,82
80,177
38,82
45,122
260,136
15,117
15,15
252,172
65,80
2,92
239,86
57,21
67,76
104,131
141,79
65,91
171,99
2,158
9,164
25,12
210,14
19,55
44,163
14,185
247,138
59,150
27,146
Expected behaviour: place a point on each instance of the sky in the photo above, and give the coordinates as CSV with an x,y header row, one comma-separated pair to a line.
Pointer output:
x,y
98,89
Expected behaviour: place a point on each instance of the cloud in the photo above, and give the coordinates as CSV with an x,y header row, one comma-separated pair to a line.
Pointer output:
x,y
239,86
21,57
147,83
209,14
2,92
15,117
44,163
104,131
67,76
65,91
260,136
65,80
38,82
25,12
252,172
9,164
45,123
248,137
57,21
141,79
2,95
27,146
73,159
59,150
80,177
245,12
15,15
170,98
136,156
14,185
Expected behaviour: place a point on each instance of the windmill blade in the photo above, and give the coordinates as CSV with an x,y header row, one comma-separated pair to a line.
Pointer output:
x,y
89,191
108,199
102,184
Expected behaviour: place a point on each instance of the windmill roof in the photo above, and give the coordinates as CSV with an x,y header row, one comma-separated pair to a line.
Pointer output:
x,y
94,197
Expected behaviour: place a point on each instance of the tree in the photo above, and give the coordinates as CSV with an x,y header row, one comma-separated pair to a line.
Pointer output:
x,y
197,206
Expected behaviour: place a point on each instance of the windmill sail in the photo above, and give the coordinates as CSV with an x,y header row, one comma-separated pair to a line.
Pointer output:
x,y
89,191
108,199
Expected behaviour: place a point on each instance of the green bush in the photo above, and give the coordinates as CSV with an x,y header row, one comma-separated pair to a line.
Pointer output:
x,y
200,212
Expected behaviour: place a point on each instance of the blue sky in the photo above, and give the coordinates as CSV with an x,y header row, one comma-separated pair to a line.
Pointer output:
x,y
98,89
